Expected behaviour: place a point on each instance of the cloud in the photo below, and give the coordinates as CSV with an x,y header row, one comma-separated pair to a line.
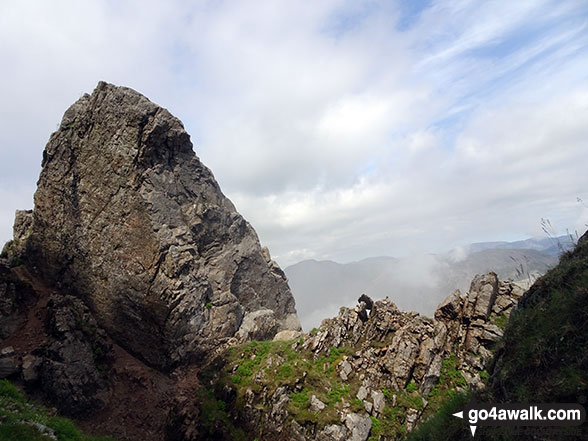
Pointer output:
x,y
340,129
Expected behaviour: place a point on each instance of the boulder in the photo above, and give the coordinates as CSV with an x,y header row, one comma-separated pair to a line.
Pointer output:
x,y
450,308
316,405
31,365
359,426
287,335
127,218
9,366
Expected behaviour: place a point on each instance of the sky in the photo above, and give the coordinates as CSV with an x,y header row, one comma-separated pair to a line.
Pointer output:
x,y
341,129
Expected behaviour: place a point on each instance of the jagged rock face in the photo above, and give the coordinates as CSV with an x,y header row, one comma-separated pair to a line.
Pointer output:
x,y
128,218
415,346
14,297
393,360
74,362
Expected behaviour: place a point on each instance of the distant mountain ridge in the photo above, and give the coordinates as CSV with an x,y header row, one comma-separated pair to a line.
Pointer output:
x,y
549,245
417,283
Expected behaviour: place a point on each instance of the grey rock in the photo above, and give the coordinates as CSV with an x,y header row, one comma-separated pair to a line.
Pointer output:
x,y
333,432
31,365
359,426
128,218
379,401
76,358
287,335
278,411
484,290
346,370
9,366
368,406
23,225
362,393
297,432
450,308
45,430
316,405
15,295
412,416
7,351
258,324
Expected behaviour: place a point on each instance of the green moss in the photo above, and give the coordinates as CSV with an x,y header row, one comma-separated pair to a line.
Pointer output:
x,y
337,392
412,387
301,400
376,430
245,370
285,372
500,320
237,379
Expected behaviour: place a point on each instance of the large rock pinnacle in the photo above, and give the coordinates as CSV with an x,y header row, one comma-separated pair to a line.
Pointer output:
x,y
128,218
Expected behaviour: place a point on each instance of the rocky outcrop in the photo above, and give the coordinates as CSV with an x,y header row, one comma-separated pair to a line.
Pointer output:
x,y
15,296
13,250
360,368
129,220
74,362
406,347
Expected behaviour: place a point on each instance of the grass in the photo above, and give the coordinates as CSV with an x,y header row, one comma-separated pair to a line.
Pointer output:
x,y
544,351
541,358
337,393
264,366
443,426
17,414
501,320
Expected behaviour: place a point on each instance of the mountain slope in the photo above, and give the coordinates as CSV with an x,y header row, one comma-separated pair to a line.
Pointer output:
x,y
542,358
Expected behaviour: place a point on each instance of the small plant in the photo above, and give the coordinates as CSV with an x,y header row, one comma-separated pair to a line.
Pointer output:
x,y
376,430
501,321
412,387
336,393
300,399
285,372
244,371
208,305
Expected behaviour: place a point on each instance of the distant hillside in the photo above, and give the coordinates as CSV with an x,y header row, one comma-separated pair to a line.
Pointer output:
x,y
549,245
418,283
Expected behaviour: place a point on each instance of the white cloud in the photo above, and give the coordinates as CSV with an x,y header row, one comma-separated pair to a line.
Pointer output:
x,y
336,134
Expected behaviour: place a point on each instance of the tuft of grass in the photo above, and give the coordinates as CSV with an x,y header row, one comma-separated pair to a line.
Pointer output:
x,y
501,320
412,387
337,392
443,426
301,400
